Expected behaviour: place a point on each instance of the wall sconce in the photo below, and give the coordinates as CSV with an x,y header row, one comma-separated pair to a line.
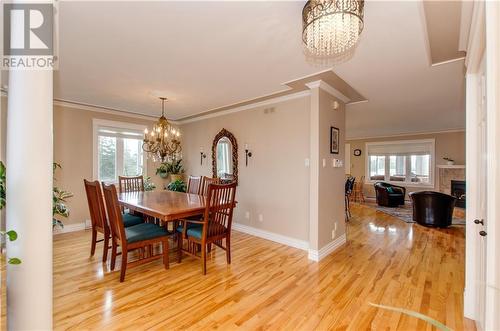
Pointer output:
x,y
202,156
247,154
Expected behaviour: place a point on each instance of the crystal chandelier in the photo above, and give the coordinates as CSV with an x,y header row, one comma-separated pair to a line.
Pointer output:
x,y
331,28
162,143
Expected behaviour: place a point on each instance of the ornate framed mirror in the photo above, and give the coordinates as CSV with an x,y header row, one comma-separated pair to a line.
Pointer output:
x,y
225,157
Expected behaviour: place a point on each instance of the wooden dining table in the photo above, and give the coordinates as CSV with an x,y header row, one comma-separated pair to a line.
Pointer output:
x,y
167,206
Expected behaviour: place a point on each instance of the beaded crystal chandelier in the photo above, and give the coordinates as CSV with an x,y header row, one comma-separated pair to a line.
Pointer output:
x,y
331,28
162,143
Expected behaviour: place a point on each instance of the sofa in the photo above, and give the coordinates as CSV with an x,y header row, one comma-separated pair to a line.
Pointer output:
x,y
434,209
389,195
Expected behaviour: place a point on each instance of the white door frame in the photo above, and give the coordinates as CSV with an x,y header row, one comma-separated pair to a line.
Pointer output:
x,y
484,30
492,304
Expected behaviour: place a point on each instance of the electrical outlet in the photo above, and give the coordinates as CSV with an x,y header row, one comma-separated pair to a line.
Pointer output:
x,y
261,218
247,215
306,163
324,163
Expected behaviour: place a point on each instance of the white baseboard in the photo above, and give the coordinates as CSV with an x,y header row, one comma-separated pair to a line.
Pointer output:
x,y
292,242
318,255
73,227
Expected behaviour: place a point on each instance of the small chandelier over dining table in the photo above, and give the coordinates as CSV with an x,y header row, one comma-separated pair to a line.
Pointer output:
x,y
331,28
162,143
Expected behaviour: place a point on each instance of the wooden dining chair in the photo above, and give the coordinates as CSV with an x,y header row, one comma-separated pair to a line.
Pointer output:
x,y
131,183
194,183
213,229
205,182
139,236
97,217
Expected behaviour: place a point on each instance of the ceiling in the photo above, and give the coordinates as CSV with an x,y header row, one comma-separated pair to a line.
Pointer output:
x,y
208,55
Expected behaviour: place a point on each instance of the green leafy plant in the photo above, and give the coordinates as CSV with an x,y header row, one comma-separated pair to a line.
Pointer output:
x,y
415,314
162,170
177,186
448,159
148,184
59,200
12,235
171,168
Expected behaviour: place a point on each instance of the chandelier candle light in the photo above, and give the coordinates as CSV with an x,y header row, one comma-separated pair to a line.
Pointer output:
x,y
162,143
331,28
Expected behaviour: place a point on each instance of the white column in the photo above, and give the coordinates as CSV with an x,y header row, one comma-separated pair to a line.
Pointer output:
x,y
29,199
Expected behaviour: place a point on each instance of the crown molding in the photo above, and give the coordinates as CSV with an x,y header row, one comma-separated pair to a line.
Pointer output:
x,y
448,61
287,97
406,134
101,109
329,89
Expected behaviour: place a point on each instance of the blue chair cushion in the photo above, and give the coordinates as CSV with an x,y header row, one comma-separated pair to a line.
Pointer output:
x,y
144,231
180,228
131,220
197,231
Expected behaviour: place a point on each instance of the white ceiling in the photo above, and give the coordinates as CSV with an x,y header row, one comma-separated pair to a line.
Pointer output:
x,y
205,55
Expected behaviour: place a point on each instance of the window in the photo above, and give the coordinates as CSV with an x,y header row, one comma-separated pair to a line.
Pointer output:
x,y
117,150
402,162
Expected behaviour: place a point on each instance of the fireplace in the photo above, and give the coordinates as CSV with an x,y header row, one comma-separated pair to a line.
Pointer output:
x,y
458,191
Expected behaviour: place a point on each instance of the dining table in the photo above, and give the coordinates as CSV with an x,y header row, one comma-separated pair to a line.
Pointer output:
x,y
166,206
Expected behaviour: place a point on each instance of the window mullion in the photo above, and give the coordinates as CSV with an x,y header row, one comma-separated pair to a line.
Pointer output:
x,y
408,168
119,157
386,168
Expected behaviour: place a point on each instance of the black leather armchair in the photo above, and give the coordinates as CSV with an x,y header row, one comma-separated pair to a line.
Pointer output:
x,y
432,208
389,195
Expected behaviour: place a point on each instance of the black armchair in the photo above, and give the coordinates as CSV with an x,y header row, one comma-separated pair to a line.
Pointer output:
x,y
433,208
389,195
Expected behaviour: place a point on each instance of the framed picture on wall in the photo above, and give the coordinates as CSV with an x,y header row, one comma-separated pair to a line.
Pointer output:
x,y
334,140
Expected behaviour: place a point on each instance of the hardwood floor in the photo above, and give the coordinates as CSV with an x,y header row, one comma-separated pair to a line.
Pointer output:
x,y
271,286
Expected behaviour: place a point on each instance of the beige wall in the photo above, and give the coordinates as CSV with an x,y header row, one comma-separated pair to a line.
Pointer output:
x,y
450,144
73,140
276,181
331,180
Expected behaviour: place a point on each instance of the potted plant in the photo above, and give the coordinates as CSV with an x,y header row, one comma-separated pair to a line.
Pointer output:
x,y
12,235
177,186
148,184
162,170
449,161
173,168
59,200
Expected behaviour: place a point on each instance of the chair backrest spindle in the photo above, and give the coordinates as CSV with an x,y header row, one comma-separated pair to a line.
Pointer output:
x,y
131,184
97,208
194,183
114,212
205,182
219,211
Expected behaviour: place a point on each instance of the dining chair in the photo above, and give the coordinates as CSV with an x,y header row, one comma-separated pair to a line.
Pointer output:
x,y
205,182
213,229
131,183
349,185
139,236
357,194
194,183
97,217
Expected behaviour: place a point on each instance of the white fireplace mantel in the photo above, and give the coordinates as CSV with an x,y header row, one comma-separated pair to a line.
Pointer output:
x,y
454,166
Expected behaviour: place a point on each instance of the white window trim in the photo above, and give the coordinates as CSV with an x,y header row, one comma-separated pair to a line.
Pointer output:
x,y
96,123
402,142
